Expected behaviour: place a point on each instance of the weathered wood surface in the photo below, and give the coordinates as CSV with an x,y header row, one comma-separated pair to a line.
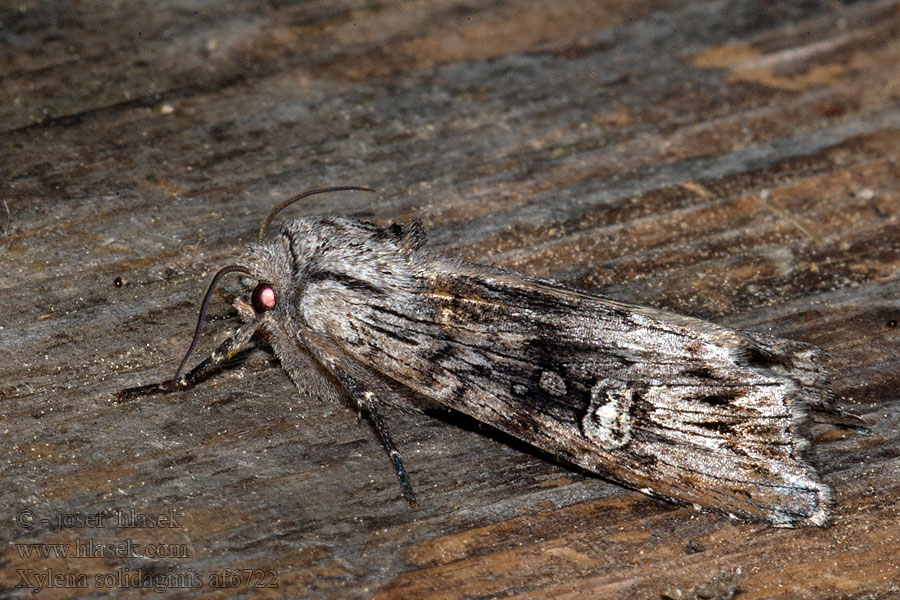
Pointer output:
x,y
733,160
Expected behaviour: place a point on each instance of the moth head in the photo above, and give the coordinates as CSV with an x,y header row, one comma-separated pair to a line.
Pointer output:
x,y
267,284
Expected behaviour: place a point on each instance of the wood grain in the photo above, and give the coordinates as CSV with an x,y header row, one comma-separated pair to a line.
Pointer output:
x,y
735,161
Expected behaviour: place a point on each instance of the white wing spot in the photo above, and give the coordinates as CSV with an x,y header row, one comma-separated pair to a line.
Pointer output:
x,y
608,418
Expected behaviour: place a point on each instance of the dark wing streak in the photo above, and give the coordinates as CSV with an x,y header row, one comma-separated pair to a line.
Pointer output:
x,y
392,334
394,313
699,431
447,338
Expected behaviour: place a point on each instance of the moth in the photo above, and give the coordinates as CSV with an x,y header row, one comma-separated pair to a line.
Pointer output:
x,y
673,406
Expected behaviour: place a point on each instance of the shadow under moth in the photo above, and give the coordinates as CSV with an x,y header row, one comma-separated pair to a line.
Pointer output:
x,y
675,407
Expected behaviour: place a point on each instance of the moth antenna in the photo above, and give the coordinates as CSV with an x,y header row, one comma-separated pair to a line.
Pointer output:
x,y
264,228
209,291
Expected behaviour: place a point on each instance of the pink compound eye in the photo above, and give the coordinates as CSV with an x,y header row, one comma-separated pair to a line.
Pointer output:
x,y
263,297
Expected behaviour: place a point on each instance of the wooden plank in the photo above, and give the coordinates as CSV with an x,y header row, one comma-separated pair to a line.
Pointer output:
x,y
736,161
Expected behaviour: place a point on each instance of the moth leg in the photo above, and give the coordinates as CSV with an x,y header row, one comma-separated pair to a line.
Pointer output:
x,y
365,398
388,442
226,350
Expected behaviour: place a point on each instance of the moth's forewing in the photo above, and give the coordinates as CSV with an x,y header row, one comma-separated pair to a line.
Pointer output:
x,y
673,406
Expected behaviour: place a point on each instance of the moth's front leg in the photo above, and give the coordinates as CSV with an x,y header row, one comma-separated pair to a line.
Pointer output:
x,y
226,350
366,399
